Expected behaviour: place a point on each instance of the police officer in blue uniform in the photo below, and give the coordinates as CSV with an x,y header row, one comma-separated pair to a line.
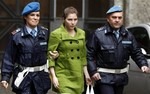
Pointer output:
x,y
108,51
26,55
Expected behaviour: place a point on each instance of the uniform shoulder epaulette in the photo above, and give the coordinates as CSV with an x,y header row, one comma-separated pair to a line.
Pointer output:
x,y
16,31
126,29
44,28
100,28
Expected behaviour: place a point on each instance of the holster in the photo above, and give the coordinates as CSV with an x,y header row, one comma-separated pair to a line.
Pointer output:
x,y
21,76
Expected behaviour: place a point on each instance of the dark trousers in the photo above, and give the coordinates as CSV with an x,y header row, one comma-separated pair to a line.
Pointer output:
x,y
100,88
108,89
27,90
34,83
31,89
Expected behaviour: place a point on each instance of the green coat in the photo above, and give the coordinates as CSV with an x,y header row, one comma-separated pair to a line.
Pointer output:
x,y
72,57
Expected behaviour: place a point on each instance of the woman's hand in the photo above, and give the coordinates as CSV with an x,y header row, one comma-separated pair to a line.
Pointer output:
x,y
53,55
87,76
54,78
88,80
55,82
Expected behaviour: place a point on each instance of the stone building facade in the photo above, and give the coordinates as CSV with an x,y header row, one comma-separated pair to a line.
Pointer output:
x,y
136,11
91,14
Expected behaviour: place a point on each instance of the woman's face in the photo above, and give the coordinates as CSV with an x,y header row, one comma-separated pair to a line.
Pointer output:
x,y
32,19
71,21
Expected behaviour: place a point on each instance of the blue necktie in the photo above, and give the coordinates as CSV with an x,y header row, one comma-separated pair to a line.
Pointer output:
x,y
33,32
117,34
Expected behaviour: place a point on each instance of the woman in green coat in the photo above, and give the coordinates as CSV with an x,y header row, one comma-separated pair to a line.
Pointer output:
x,y
68,70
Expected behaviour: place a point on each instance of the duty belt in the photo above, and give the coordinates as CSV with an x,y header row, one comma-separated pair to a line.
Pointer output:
x,y
114,71
37,68
26,70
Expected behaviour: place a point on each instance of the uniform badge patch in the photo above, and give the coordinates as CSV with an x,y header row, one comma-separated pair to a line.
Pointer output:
x,y
43,43
126,42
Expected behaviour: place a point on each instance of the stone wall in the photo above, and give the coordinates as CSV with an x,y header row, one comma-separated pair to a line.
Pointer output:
x,y
137,11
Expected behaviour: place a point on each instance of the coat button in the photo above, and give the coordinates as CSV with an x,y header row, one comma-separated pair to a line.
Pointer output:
x,y
77,41
72,57
70,42
78,57
71,50
77,49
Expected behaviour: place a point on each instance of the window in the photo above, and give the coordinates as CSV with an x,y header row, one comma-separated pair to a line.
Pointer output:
x,y
95,14
97,8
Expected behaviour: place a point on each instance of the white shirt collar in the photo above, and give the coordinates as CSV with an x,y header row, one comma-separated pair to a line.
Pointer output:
x,y
30,29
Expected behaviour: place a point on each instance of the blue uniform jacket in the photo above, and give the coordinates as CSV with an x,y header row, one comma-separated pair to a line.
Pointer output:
x,y
27,51
105,51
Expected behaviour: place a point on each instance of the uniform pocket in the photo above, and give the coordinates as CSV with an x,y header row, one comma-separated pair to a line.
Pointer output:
x,y
108,53
26,56
126,49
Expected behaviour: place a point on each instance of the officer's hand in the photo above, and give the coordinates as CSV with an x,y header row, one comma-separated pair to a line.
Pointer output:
x,y
96,76
144,69
4,84
53,55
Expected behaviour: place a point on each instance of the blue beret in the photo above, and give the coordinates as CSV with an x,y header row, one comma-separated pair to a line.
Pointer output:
x,y
31,7
114,9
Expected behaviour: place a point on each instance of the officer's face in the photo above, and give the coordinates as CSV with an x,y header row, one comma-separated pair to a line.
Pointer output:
x,y
115,19
71,21
32,19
